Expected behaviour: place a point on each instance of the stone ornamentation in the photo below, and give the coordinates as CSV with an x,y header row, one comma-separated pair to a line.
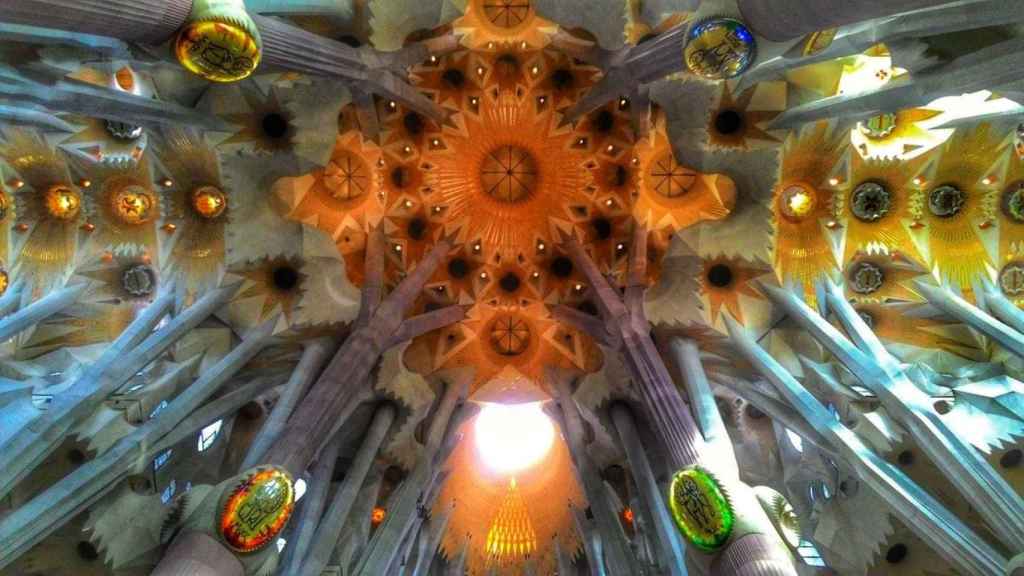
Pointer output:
x,y
138,280
946,201
866,278
870,202
62,202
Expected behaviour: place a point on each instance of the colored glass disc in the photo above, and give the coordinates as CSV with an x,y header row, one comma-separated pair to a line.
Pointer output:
x,y
719,48
700,509
257,509
217,51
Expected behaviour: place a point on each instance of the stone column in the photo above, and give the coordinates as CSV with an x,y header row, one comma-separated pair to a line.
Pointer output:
x,y
413,493
313,357
29,524
200,555
317,418
40,310
328,532
624,327
311,508
672,551
780,20
617,554
145,21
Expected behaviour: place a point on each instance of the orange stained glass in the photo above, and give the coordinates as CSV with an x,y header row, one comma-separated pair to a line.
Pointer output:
x,y
511,535
256,511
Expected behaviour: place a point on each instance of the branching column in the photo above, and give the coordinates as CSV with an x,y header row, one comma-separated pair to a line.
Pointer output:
x,y
413,493
754,547
617,554
329,530
287,46
182,417
134,349
672,551
380,326
345,382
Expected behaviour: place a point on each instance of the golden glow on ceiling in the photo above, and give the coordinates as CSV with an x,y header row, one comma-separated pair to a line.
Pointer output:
x,y
511,535
209,202
62,202
797,202
133,204
511,438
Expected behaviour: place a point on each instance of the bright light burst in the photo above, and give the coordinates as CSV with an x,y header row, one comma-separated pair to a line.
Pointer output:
x,y
512,437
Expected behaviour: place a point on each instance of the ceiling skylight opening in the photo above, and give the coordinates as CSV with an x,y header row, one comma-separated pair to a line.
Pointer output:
x,y
511,438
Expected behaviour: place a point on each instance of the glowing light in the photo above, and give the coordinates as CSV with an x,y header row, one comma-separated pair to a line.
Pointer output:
x,y
208,435
378,515
62,202
300,489
512,438
209,202
796,440
627,515
219,51
796,202
133,204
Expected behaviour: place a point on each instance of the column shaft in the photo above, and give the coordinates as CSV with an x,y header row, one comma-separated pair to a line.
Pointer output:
x,y
405,503
328,532
672,551
617,553
780,20
313,357
198,554
39,310
146,21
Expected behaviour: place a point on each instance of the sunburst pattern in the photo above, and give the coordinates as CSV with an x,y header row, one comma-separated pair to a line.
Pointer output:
x,y
47,243
889,232
737,121
725,281
960,244
488,22
803,246
197,245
